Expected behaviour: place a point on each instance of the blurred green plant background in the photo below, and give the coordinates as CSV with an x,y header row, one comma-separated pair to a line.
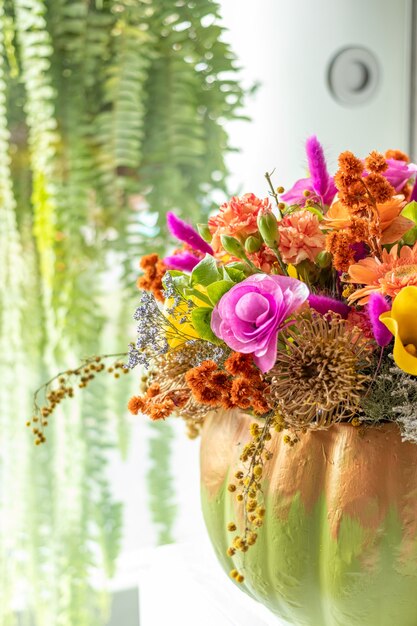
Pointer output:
x,y
112,112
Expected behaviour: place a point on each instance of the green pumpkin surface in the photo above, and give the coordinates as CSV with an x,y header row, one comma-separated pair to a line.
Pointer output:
x,y
339,543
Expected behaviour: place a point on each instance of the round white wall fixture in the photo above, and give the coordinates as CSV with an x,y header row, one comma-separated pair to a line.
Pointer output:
x,y
353,75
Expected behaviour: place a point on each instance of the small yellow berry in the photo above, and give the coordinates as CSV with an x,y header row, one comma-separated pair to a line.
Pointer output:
x,y
251,539
251,505
257,470
231,527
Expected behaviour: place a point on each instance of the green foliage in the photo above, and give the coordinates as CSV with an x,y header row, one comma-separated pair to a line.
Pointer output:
x,y
206,272
160,480
217,290
393,397
410,211
111,113
201,318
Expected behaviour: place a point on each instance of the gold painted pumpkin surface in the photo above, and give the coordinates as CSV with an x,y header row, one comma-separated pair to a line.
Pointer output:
x,y
339,541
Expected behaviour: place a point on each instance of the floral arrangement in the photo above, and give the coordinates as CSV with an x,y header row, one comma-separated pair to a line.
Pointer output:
x,y
299,308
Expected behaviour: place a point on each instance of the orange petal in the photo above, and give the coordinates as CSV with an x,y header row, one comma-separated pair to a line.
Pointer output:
x,y
390,210
396,230
364,272
337,216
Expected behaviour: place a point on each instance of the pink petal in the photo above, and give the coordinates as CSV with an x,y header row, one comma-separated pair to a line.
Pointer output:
x,y
324,304
376,306
183,261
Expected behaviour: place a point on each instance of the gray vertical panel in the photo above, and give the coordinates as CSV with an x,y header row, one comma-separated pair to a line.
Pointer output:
x,y
125,608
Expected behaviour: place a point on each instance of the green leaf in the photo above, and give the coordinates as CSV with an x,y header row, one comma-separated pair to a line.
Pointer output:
x,y
201,319
216,290
410,237
234,272
181,283
410,211
205,272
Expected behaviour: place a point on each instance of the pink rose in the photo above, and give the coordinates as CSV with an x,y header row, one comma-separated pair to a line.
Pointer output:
x,y
249,316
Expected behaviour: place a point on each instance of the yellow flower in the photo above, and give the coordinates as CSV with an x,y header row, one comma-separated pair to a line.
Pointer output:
x,y
401,321
178,333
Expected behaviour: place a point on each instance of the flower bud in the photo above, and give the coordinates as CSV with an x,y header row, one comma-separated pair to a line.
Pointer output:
x,y
268,228
323,259
232,246
252,244
204,232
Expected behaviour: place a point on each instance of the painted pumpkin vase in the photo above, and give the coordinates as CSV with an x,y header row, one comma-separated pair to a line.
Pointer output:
x,y
284,332
338,546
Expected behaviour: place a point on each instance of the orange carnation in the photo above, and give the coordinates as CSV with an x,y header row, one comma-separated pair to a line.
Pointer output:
x,y
300,237
237,218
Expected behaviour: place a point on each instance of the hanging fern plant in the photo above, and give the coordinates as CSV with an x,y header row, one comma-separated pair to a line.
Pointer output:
x,y
111,114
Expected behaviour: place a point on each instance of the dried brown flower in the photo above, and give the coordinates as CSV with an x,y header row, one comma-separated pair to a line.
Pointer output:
x,y
320,373
339,244
380,188
167,391
375,162
239,385
154,270
398,155
350,164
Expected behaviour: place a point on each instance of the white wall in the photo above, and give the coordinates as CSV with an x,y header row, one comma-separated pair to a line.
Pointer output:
x,y
286,46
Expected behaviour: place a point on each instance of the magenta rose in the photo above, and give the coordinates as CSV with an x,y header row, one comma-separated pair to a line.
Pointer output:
x,y
249,316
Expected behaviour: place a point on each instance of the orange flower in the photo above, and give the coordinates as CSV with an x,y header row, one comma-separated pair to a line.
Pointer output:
x,y
381,190
300,237
154,271
242,364
375,162
350,164
265,259
388,276
135,404
237,218
340,245
398,155
393,225
241,385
